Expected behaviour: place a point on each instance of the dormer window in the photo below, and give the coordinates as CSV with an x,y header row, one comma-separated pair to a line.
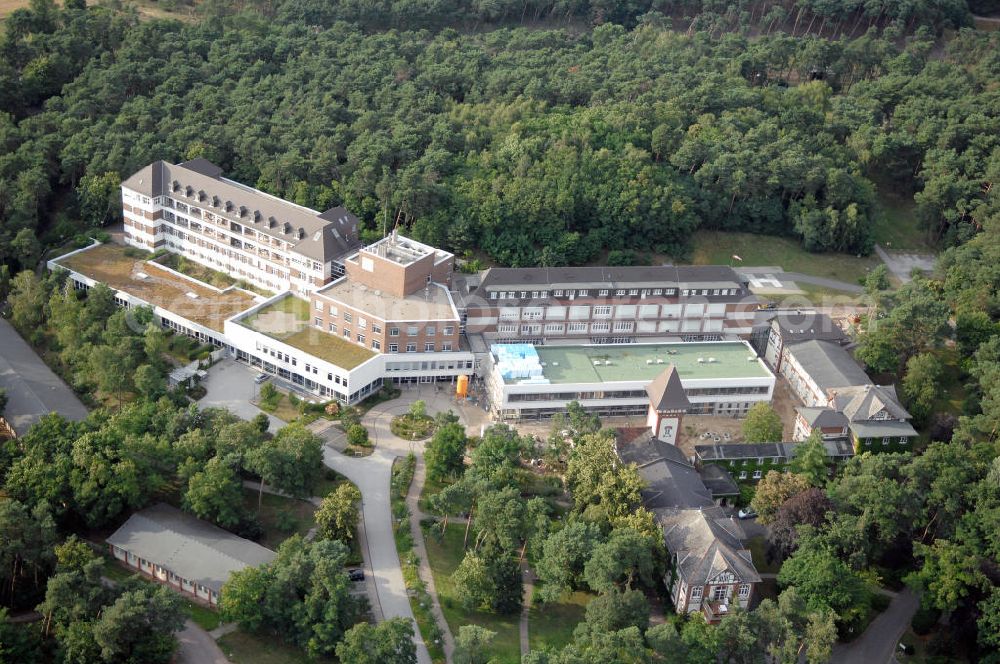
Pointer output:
x,y
201,196
229,206
215,201
257,216
189,191
286,228
243,211
271,222
301,233
176,186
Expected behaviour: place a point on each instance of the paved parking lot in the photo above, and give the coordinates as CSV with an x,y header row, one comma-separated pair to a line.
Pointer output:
x,y
230,385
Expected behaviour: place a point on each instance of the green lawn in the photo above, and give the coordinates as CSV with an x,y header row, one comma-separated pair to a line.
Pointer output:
x,y
896,225
552,625
280,517
758,549
244,648
951,393
431,488
717,248
444,556
283,409
326,484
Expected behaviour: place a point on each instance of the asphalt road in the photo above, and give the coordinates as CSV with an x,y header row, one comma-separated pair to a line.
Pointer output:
x,y
372,474
879,643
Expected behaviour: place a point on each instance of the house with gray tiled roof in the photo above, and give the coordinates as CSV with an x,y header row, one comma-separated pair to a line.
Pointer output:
x,y
712,571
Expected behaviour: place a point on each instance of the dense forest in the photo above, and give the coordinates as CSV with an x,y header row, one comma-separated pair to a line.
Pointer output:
x,y
529,145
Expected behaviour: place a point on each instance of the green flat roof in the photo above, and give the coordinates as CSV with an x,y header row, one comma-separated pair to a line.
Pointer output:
x,y
575,364
287,319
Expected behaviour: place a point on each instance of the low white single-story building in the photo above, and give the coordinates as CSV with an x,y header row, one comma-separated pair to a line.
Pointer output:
x,y
184,552
719,377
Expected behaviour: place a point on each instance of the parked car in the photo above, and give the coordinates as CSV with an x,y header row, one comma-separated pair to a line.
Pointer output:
x,y
261,377
356,574
747,513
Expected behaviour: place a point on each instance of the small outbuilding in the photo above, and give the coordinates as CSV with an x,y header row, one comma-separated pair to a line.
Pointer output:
x,y
188,554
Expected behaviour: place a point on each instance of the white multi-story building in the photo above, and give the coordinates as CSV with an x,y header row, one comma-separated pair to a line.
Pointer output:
x,y
190,209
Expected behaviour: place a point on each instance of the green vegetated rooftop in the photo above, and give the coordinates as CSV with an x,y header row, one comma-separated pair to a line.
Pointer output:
x,y
288,320
575,364
128,270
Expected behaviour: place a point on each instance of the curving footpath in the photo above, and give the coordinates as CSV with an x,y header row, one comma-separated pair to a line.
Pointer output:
x,y
372,476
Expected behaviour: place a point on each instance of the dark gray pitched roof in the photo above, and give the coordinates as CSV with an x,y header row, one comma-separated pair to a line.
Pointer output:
x,y
325,236
822,417
666,392
718,480
828,364
798,326
33,390
691,276
863,402
706,543
191,548
671,480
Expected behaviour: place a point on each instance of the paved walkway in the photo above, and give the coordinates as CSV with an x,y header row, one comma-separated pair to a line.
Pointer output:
x,y
420,549
901,265
372,474
196,646
878,644
529,590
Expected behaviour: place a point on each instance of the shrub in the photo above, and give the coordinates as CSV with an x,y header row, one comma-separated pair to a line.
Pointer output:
x,y
357,435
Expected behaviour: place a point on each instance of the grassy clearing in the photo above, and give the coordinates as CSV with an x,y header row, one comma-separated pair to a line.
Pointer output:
x,y
758,550
896,225
717,248
243,648
951,394
827,297
444,554
552,625
280,517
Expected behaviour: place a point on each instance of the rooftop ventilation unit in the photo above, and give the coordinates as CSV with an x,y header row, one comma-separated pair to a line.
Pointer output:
x,y
750,358
597,363
607,363
141,275
659,360
555,364
317,235
712,359
701,360
193,296
649,361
